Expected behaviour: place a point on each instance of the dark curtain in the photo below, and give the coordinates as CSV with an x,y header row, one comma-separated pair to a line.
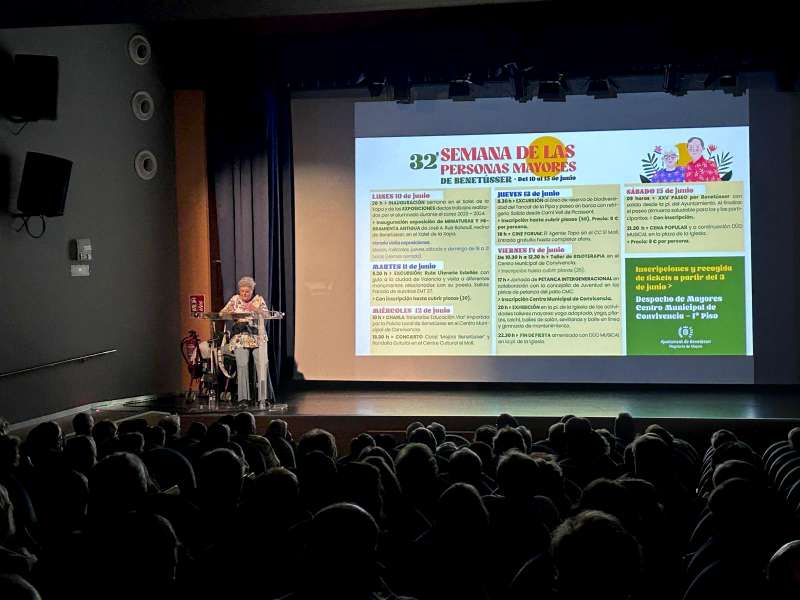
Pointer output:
x,y
250,179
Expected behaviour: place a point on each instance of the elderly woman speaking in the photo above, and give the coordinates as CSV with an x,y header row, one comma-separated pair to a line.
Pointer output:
x,y
244,332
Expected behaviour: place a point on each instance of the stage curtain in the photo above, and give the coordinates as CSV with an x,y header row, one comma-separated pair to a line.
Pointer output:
x,y
250,182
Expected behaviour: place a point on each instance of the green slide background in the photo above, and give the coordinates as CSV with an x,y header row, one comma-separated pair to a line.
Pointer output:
x,y
727,333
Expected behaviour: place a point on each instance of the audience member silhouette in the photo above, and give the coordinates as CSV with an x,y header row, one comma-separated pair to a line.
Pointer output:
x,y
582,513
82,423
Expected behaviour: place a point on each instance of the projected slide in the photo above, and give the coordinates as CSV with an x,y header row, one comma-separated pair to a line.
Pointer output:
x,y
607,243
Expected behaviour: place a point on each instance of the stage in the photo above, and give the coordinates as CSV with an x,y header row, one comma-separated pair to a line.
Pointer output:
x,y
759,415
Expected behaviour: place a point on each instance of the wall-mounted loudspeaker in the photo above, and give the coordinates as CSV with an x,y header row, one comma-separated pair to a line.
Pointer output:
x,y
31,91
45,180
139,49
143,105
146,165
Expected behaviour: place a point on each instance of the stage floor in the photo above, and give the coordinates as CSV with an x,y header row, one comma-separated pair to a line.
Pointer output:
x,y
759,415
483,401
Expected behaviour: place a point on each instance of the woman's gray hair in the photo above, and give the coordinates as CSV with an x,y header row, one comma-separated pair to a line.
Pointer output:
x,y
670,149
247,282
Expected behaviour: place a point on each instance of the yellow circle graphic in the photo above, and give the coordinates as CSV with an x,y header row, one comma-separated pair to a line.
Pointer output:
x,y
683,154
547,156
